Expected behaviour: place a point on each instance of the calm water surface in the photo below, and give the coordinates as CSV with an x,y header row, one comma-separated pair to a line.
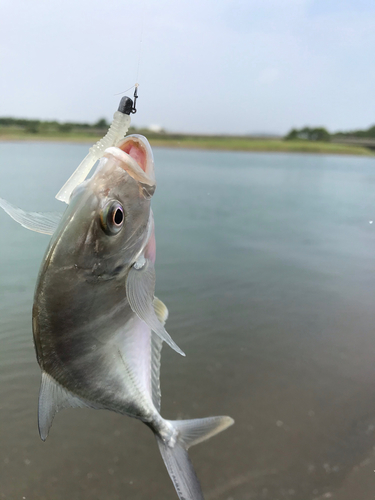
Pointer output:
x,y
266,263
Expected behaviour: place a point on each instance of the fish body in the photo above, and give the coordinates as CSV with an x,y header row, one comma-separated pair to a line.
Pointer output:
x,y
98,328
81,312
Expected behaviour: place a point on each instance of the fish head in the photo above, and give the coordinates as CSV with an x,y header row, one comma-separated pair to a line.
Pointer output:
x,y
109,221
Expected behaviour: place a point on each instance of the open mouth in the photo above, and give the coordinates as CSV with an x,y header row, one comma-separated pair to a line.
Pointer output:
x,y
134,155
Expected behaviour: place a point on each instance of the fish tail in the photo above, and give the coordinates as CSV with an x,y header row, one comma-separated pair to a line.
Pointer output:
x,y
186,433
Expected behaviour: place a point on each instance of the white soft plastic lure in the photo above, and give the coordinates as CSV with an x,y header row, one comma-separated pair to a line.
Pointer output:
x,y
117,130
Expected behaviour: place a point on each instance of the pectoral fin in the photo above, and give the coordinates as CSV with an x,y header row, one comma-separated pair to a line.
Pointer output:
x,y
45,223
140,287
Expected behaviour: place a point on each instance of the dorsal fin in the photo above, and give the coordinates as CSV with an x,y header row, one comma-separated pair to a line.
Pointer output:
x,y
53,398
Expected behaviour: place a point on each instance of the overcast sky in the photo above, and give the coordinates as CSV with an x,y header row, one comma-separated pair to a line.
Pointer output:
x,y
232,66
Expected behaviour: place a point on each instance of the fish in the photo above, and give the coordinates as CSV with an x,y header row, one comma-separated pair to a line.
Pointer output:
x,y
98,327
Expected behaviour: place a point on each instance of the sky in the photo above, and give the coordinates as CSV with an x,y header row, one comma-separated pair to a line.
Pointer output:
x,y
205,66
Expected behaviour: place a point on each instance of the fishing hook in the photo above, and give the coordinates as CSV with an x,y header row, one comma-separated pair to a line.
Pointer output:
x,y
134,110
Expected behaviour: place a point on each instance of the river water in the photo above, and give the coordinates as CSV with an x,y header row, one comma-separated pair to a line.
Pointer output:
x,y
266,263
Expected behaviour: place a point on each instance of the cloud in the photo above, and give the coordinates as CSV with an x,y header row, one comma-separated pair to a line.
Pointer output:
x,y
277,62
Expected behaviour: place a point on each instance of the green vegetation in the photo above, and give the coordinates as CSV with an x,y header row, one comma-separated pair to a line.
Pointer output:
x,y
20,128
322,134
257,145
358,138
309,134
306,140
365,134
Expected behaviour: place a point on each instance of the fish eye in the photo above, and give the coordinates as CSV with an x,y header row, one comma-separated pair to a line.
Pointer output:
x,y
118,216
112,217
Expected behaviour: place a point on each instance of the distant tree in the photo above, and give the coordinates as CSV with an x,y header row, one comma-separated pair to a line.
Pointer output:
x,y
319,134
363,134
7,121
292,135
308,134
65,127
82,125
102,123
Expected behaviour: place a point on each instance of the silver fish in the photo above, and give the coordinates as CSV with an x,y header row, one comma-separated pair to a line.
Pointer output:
x,y
98,328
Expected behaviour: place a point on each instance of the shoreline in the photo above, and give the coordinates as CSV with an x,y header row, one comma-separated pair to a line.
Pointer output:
x,y
215,144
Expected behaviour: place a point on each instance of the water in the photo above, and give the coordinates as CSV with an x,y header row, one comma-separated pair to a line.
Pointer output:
x,y
266,262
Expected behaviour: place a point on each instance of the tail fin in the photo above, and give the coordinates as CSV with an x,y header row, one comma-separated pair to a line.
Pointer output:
x,y
176,458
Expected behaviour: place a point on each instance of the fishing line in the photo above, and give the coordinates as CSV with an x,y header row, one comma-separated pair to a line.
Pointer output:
x,y
132,87
140,49
136,85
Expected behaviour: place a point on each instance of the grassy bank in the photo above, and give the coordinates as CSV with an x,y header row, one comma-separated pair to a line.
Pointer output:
x,y
225,143
12,134
261,145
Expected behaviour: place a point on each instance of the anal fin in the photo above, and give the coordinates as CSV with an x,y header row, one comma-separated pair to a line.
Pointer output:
x,y
156,345
53,397
161,312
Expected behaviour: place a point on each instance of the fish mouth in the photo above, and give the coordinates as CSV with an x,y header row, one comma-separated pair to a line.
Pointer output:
x,y
134,155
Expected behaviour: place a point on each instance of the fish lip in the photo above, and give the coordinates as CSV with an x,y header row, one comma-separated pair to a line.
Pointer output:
x,y
129,164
